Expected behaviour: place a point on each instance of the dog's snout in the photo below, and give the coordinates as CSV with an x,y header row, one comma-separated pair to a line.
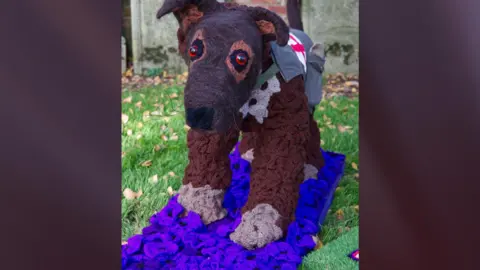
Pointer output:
x,y
201,118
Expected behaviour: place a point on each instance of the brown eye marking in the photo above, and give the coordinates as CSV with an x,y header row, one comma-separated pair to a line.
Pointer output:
x,y
198,48
239,60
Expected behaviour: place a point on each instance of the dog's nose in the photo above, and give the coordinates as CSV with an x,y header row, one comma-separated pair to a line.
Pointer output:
x,y
201,118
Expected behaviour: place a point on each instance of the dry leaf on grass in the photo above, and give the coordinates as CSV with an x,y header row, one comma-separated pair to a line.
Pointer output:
x,y
123,154
129,132
127,100
139,136
172,174
174,137
156,148
321,108
170,191
173,95
154,179
138,104
187,128
318,243
322,142
146,163
124,118
164,138
130,194
340,214
343,129
338,189
156,113
333,104
139,125
356,208
355,166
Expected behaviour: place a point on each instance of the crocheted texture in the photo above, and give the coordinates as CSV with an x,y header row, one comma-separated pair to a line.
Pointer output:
x,y
174,241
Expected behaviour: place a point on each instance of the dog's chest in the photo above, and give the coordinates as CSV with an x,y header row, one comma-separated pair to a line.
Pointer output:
x,y
257,105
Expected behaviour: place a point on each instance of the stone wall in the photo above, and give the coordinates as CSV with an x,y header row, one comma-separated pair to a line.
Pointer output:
x,y
332,22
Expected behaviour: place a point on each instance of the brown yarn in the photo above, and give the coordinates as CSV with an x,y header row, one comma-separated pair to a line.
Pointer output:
x,y
209,163
277,169
314,156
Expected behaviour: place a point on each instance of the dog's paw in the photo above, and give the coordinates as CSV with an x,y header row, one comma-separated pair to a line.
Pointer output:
x,y
205,201
258,227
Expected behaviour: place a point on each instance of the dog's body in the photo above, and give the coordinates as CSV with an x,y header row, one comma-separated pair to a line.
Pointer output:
x,y
241,81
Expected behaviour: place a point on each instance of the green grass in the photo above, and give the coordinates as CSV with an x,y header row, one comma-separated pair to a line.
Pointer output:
x,y
334,256
155,133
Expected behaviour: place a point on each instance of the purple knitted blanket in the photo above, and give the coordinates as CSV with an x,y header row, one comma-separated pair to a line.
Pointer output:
x,y
174,242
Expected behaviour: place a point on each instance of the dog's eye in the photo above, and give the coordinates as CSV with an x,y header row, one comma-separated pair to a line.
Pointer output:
x,y
196,50
239,60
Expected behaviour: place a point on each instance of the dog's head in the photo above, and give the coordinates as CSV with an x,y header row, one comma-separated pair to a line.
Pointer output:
x,y
223,47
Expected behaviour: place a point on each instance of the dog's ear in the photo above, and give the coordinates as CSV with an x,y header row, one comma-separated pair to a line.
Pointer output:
x,y
187,12
269,23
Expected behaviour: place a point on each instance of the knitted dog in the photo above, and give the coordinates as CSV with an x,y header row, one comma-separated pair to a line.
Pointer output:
x,y
249,73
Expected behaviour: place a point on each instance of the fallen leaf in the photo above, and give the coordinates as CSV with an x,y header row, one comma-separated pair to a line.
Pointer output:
x,y
321,130
130,110
139,125
321,108
173,95
124,118
318,243
357,176
166,119
339,230
164,138
322,142
146,116
338,189
348,229
187,128
146,163
356,208
172,174
340,214
124,154
130,194
333,104
170,191
354,90
138,104
174,137
343,129
156,113
127,100
154,179
156,148
355,166
351,83
139,136
129,132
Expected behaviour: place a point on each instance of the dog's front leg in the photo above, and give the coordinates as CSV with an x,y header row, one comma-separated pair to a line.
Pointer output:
x,y
207,174
278,162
